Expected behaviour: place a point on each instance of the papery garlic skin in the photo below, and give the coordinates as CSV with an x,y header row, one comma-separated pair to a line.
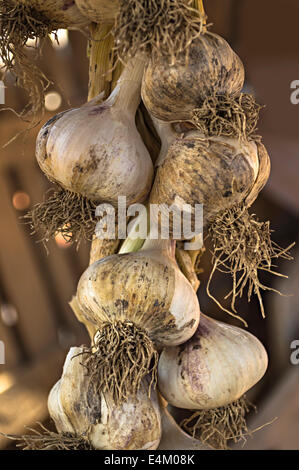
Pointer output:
x,y
99,11
218,172
135,425
65,13
96,150
173,437
214,368
264,169
146,288
171,91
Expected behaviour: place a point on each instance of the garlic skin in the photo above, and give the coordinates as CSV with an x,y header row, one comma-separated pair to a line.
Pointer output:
x,y
146,288
99,11
62,12
136,425
106,158
214,368
173,437
263,174
171,92
218,172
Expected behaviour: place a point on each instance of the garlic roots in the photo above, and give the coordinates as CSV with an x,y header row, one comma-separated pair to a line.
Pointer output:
x,y
135,425
171,92
156,28
213,369
21,20
139,302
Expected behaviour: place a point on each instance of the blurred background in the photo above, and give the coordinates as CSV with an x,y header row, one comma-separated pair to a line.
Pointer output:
x,y
37,325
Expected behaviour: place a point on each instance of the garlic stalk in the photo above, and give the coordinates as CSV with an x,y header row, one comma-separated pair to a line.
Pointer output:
x,y
99,11
138,302
94,163
94,418
213,369
171,91
167,135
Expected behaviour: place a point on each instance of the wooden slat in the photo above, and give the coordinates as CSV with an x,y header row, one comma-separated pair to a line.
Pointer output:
x,y
25,403
282,404
12,354
22,280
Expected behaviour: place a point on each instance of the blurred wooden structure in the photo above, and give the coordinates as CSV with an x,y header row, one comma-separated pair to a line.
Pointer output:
x,y
36,323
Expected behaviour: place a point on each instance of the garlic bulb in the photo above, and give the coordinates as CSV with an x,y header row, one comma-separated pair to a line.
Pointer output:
x,y
105,159
217,172
214,368
172,91
138,301
135,425
99,11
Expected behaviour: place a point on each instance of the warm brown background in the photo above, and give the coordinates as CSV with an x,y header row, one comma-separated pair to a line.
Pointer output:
x,y
36,322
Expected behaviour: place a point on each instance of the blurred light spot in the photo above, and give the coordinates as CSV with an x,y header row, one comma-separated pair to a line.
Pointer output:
x,y
20,200
10,56
9,314
52,101
63,39
6,381
61,242
32,42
